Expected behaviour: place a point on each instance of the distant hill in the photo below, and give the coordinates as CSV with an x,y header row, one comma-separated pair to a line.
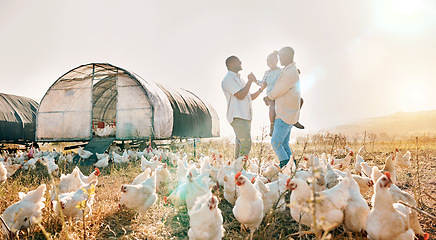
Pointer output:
x,y
398,125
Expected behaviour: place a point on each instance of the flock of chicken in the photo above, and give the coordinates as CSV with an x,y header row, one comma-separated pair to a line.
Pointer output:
x,y
254,188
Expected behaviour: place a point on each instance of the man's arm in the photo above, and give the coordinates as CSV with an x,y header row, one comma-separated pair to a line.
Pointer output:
x,y
241,94
258,92
252,78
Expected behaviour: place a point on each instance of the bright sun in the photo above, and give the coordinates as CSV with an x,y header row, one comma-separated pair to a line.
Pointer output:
x,y
406,6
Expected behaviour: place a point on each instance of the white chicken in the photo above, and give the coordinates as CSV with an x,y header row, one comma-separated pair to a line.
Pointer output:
x,y
193,191
84,154
106,131
52,167
390,167
141,196
357,166
30,164
70,157
366,169
177,196
163,178
153,165
231,193
70,182
3,173
118,159
364,183
362,151
68,201
101,155
88,179
331,177
342,163
399,195
384,220
253,165
329,211
272,172
26,212
402,161
132,155
238,164
205,164
248,208
142,177
181,173
271,193
396,193
206,221
103,162
356,210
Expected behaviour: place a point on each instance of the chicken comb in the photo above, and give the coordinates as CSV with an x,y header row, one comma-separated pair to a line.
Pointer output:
x,y
305,159
396,150
351,153
221,156
238,175
287,182
388,174
165,199
426,236
97,172
246,156
253,180
213,154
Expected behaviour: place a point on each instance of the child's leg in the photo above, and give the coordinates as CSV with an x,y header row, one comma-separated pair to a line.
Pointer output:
x,y
272,115
272,112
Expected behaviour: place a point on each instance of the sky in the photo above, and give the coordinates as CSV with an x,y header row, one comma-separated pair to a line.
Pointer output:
x,y
358,59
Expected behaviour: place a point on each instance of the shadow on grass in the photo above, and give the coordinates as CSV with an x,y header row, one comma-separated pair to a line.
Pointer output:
x,y
117,224
179,223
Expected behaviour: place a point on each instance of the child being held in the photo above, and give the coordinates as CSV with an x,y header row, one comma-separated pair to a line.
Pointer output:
x,y
269,79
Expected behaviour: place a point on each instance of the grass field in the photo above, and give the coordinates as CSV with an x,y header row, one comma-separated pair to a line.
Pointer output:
x,y
163,221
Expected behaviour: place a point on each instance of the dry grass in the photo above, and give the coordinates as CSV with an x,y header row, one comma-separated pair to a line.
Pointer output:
x,y
163,221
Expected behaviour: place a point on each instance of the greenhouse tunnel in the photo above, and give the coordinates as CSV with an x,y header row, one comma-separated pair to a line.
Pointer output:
x,y
99,96
17,118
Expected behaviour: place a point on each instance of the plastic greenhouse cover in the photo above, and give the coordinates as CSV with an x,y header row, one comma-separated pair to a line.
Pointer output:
x,y
17,109
65,111
102,93
17,118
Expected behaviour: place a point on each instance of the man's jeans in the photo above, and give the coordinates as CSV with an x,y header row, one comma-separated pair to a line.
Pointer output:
x,y
280,141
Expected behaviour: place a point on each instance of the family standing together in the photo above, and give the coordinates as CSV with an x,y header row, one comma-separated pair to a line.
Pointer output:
x,y
283,98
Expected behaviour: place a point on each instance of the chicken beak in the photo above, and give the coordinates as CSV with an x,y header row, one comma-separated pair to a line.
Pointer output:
x,y
238,182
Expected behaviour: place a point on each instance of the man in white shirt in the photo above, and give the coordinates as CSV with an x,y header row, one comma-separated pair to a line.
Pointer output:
x,y
239,109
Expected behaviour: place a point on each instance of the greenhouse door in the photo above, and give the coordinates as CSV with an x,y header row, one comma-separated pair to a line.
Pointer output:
x,y
133,110
104,108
